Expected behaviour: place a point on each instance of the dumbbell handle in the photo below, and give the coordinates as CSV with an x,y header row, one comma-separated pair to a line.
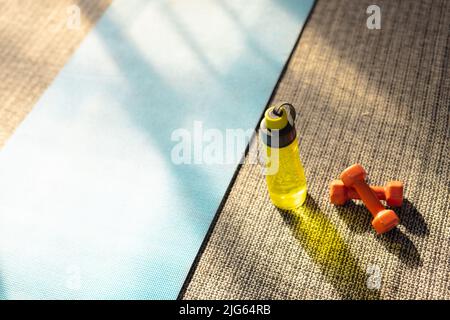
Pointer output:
x,y
379,192
368,196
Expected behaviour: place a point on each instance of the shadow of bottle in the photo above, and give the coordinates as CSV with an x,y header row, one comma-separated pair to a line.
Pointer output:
x,y
324,244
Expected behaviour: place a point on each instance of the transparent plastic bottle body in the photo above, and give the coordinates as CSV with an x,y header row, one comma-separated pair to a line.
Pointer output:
x,y
285,176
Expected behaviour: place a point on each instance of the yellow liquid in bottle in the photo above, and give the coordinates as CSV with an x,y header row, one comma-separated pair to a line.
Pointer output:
x,y
285,176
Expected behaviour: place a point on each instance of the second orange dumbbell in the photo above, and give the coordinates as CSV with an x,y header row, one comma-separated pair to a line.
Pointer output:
x,y
392,193
383,219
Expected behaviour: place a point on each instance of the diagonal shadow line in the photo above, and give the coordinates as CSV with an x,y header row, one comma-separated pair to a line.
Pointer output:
x,y
125,54
253,44
425,67
246,93
190,41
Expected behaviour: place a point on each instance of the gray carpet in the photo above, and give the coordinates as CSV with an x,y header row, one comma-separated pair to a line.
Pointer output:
x,y
377,97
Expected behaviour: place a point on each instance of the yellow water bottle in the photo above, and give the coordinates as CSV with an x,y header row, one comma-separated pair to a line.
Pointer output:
x,y
284,172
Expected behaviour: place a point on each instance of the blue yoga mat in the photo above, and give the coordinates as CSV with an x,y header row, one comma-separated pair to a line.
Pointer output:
x,y
92,204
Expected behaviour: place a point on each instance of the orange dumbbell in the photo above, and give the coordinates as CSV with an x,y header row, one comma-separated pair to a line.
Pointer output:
x,y
392,193
383,219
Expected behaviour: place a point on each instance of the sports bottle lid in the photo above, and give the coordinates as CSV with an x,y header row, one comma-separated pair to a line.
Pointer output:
x,y
277,128
276,117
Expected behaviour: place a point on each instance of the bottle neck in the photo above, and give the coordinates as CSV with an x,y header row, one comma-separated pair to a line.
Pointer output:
x,y
277,138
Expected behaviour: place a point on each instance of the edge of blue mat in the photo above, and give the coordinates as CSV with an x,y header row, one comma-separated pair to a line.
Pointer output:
x,y
207,237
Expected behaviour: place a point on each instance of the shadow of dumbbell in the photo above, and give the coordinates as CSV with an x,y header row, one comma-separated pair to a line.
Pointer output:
x,y
355,215
399,244
358,220
412,219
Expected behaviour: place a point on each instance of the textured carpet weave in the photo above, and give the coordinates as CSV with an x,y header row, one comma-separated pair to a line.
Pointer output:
x,y
37,38
377,97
